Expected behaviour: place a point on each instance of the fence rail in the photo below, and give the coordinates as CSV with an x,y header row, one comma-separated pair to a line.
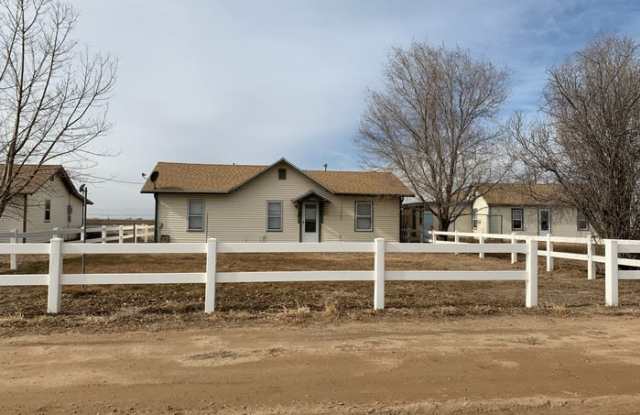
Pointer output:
x,y
135,232
56,278
590,242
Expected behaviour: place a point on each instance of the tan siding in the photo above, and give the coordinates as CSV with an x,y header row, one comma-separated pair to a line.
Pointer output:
x,y
241,215
60,197
563,221
12,217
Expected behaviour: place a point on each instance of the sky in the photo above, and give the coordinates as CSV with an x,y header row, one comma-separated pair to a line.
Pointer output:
x,y
207,81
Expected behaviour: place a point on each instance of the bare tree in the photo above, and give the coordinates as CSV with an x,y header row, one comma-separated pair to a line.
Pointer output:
x,y
589,139
433,123
53,97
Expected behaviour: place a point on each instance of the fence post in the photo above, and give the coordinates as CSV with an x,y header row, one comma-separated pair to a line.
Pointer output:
x,y
120,234
481,242
531,260
378,274
104,234
591,266
210,281
456,239
514,255
434,237
55,232
55,272
13,260
611,272
549,252
83,233
146,234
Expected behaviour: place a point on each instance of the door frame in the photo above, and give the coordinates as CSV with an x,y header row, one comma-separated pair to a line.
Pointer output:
x,y
540,210
302,221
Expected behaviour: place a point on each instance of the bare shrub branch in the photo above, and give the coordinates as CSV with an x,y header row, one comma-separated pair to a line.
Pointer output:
x,y
53,97
434,124
589,141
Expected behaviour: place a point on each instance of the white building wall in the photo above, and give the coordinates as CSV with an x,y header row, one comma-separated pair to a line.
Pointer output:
x,y
241,215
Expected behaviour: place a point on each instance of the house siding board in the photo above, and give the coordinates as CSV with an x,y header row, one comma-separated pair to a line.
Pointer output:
x,y
12,218
60,197
241,215
563,220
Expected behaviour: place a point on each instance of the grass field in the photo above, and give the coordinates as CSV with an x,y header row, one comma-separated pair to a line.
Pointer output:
x,y
566,291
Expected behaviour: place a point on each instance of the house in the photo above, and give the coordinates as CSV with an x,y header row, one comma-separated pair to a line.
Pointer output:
x,y
504,208
49,201
527,209
277,202
418,221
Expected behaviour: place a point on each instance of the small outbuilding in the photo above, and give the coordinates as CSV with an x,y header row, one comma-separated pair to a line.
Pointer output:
x,y
48,200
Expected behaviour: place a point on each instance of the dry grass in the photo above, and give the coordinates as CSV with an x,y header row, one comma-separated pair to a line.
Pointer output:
x,y
565,292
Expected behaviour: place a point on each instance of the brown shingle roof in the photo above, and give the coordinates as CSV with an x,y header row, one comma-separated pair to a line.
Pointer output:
x,y
38,177
225,178
520,194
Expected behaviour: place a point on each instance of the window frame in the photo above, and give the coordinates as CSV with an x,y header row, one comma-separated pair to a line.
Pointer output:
x,y
521,228
356,216
586,222
69,213
281,228
47,211
282,173
190,215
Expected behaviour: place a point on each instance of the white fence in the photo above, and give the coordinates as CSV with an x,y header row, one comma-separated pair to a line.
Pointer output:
x,y
118,233
612,273
611,259
57,278
548,252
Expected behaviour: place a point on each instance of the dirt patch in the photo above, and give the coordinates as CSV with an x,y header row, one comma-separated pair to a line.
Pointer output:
x,y
495,365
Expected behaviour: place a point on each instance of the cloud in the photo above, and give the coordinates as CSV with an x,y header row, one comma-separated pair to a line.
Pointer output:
x,y
251,81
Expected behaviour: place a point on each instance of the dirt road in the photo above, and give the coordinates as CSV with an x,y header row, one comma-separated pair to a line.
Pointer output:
x,y
521,364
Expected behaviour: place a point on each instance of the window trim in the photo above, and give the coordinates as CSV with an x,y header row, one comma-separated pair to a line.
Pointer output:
x,y
47,210
586,222
282,173
69,213
356,216
521,209
281,228
189,215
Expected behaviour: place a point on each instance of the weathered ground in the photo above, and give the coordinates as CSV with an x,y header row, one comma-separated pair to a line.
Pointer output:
x,y
564,292
489,365
438,348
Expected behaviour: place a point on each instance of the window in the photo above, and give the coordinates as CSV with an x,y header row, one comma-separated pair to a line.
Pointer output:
x,y
364,216
274,216
474,219
69,213
583,225
517,222
282,174
196,215
47,210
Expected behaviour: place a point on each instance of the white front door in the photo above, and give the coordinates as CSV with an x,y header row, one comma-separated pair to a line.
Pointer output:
x,y
310,222
544,217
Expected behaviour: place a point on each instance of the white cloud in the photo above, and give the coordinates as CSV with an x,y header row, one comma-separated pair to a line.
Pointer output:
x,y
251,81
